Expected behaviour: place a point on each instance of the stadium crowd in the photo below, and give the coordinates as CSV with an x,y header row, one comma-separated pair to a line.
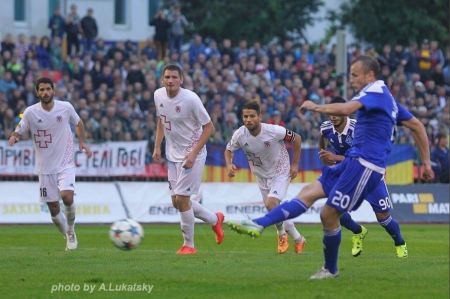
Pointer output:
x,y
111,84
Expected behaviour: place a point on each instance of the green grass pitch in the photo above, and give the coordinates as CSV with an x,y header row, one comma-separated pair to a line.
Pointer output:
x,y
33,261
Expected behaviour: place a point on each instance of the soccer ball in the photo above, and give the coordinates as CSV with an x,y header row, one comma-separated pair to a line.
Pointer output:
x,y
126,234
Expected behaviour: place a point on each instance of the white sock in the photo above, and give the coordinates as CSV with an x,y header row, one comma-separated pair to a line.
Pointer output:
x,y
70,214
280,228
201,213
60,222
187,227
291,230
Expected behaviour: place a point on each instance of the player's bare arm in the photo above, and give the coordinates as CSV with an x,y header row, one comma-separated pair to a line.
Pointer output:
x,y
329,158
80,134
158,139
421,140
295,156
14,138
322,143
208,129
231,168
339,109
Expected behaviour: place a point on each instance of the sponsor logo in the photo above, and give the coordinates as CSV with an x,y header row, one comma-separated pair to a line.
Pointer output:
x,y
59,118
162,210
422,203
177,109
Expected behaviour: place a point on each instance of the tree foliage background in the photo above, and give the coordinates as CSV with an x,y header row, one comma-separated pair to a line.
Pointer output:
x,y
254,20
394,21
373,21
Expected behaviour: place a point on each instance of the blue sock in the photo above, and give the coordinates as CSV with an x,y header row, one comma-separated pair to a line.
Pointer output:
x,y
331,242
347,222
286,210
392,227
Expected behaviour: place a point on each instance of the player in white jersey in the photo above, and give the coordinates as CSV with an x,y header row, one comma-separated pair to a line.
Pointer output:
x,y
49,124
186,126
264,146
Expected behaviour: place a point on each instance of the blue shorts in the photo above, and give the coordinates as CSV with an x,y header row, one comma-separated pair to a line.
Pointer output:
x,y
379,198
348,183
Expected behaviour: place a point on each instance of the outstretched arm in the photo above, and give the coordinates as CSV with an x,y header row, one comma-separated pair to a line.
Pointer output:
x,y
339,109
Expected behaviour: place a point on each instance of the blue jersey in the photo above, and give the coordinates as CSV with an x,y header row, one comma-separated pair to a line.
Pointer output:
x,y
340,142
376,123
403,114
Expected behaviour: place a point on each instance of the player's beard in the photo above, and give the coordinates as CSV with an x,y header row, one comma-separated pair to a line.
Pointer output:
x,y
47,100
254,128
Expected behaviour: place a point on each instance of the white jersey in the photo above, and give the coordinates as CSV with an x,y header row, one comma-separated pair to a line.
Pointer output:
x,y
51,135
266,153
183,118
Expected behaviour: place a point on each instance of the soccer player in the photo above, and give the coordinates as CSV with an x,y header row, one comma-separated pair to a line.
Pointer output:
x,y
264,146
338,133
363,168
49,124
186,126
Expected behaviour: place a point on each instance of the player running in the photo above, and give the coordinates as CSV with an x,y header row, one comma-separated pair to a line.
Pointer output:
x,y
264,146
49,124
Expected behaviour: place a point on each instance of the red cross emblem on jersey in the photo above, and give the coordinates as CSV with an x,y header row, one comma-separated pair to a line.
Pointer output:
x,y
166,123
256,161
42,138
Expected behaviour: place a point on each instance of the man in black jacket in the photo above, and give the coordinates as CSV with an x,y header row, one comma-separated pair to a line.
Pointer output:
x,y
89,29
162,26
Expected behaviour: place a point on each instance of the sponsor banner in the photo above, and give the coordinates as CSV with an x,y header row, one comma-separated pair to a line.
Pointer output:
x,y
95,203
108,159
151,202
420,203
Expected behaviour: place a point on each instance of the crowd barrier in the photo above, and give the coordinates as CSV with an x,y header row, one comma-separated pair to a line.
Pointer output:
x,y
105,202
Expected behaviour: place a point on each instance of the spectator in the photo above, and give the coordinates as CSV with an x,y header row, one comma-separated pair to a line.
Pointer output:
x,y
89,30
7,83
57,24
196,48
43,53
439,159
72,30
161,36
179,23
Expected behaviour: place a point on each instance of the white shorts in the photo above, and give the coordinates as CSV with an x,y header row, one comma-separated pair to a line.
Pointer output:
x,y
50,185
185,181
274,187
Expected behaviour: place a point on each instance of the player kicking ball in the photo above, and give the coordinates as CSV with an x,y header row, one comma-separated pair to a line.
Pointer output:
x,y
49,122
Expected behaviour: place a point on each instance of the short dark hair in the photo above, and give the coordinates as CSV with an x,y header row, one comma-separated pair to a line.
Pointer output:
x,y
173,67
337,100
43,80
253,105
369,64
440,136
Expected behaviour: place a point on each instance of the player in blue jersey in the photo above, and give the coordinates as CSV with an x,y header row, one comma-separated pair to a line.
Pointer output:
x,y
336,138
362,169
